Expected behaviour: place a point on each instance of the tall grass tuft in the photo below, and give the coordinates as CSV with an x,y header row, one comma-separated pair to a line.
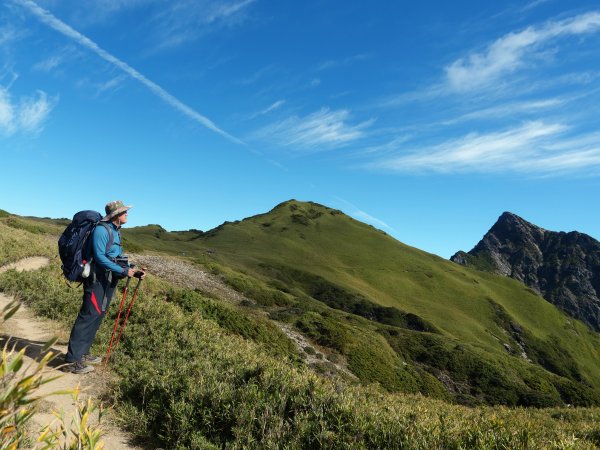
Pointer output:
x,y
19,384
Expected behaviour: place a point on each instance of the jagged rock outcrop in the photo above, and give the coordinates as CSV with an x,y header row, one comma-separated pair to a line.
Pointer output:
x,y
562,267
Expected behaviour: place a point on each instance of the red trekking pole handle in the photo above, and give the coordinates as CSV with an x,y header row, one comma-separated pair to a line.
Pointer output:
x,y
112,337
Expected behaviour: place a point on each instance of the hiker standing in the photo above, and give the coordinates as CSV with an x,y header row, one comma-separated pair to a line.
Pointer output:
x,y
107,267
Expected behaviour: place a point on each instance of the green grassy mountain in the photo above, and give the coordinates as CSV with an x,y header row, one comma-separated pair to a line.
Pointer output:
x,y
406,319
214,368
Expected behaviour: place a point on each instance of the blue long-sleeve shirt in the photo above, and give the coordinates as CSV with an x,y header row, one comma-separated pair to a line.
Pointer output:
x,y
101,256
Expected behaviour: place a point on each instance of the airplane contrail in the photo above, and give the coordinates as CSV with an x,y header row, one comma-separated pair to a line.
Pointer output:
x,y
49,19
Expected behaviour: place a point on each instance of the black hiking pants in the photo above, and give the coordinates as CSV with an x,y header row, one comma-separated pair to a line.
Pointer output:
x,y
96,300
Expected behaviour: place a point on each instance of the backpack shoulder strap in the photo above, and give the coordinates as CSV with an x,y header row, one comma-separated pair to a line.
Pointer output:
x,y
111,235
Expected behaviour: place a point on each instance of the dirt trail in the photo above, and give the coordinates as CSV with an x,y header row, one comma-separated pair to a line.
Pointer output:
x,y
32,332
32,263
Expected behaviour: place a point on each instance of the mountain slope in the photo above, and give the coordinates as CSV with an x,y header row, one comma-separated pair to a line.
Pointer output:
x,y
195,371
562,267
407,319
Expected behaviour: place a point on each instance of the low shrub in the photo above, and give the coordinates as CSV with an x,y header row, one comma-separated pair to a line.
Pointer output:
x,y
254,289
254,328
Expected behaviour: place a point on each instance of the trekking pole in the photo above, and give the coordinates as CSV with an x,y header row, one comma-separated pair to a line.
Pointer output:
x,y
112,337
137,286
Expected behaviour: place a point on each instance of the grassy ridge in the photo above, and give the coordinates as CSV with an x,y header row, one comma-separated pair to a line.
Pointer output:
x,y
197,373
314,298
307,251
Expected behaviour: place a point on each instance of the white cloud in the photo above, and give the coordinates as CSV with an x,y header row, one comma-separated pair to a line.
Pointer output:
x,y
34,111
532,5
65,29
257,75
320,130
186,20
7,113
357,213
48,64
533,147
7,35
513,51
278,104
222,11
272,107
111,84
331,64
28,115
56,60
370,219
508,110
387,147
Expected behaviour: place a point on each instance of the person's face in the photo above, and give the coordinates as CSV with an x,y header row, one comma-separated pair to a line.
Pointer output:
x,y
121,218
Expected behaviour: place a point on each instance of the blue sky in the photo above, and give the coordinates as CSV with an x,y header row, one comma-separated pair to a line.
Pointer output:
x,y
426,120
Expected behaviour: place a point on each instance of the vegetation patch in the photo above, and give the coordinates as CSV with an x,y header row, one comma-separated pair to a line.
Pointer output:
x,y
339,298
16,243
252,287
185,382
259,330
549,354
29,226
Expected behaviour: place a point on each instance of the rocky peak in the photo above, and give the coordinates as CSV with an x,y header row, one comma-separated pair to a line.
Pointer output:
x,y
562,267
509,226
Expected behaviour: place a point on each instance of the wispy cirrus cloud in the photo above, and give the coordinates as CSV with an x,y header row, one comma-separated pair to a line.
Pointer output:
x,y
48,64
27,115
321,130
58,25
500,89
111,84
514,51
272,107
57,59
257,75
358,213
532,5
534,147
333,63
98,11
370,219
99,88
508,109
187,20
8,34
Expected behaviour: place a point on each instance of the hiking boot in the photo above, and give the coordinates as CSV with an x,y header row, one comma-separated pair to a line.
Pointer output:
x,y
79,368
91,359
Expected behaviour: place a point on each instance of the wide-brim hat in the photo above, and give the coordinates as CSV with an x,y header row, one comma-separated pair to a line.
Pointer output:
x,y
113,209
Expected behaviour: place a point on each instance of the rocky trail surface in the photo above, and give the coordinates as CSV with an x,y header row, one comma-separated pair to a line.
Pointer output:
x,y
30,332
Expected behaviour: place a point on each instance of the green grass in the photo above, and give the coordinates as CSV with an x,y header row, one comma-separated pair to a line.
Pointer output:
x,y
196,372
329,269
188,382
228,317
17,243
307,250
